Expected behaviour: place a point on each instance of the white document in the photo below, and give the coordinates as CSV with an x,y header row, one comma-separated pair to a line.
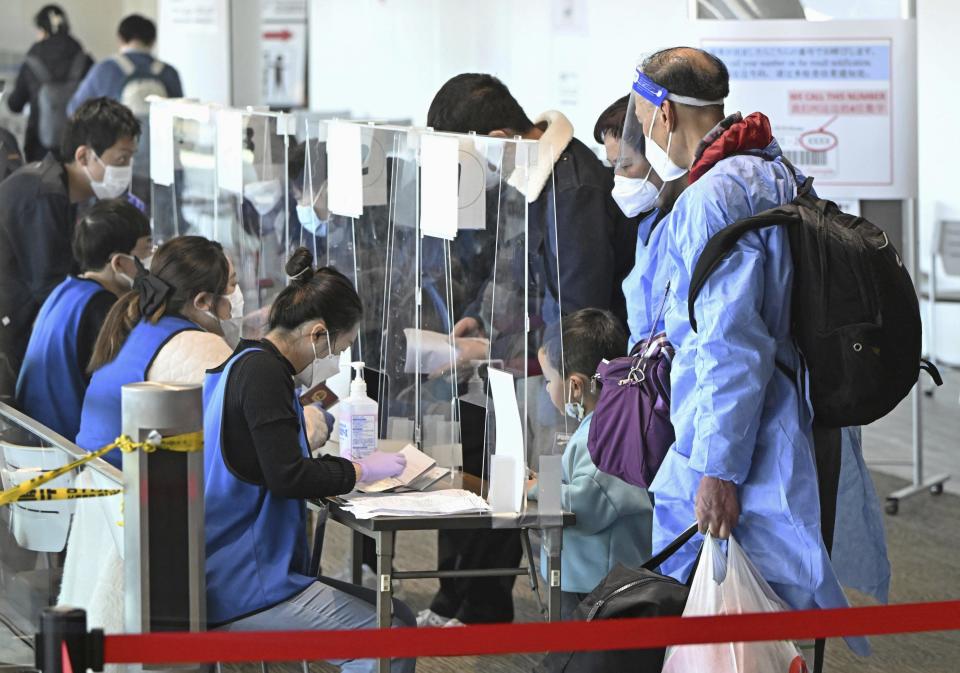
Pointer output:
x,y
374,167
344,169
432,503
439,182
436,351
417,463
509,427
230,150
161,144
472,196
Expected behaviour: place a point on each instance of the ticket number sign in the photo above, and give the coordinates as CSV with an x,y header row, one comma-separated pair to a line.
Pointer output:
x,y
840,95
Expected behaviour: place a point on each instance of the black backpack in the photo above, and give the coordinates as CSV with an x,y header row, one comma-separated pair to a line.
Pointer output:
x,y
625,593
855,315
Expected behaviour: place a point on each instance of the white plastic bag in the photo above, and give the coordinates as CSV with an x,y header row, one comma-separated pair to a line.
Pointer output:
x,y
730,586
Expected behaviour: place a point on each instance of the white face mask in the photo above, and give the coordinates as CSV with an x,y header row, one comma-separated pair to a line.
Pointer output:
x,y
116,180
659,158
147,261
634,195
233,327
310,221
264,195
321,369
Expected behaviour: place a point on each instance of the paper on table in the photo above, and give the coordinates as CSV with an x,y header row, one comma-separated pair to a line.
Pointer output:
x,y
432,503
509,427
436,351
230,151
439,169
161,144
417,463
344,169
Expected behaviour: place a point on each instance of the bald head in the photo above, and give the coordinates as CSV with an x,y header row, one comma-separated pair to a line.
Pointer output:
x,y
689,72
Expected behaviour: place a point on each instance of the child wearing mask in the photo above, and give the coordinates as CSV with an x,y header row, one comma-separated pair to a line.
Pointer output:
x,y
54,375
613,517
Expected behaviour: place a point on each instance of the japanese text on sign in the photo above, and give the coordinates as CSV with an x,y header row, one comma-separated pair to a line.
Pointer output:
x,y
806,62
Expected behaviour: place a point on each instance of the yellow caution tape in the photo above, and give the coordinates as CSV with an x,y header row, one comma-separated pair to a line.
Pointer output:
x,y
44,494
185,443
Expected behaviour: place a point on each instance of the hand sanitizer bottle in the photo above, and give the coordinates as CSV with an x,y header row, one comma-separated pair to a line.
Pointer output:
x,y
358,420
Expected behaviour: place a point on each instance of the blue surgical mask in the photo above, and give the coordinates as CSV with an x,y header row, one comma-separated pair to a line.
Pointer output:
x,y
310,221
571,408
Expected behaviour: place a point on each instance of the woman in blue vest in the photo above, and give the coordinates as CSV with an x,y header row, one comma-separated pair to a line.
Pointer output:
x,y
182,295
54,376
258,470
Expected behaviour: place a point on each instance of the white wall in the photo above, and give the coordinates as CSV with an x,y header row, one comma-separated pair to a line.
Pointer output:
x,y
387,59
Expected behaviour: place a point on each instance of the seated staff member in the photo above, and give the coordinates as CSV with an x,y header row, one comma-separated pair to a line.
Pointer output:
x,y
167,329
54,375
614,518
258,470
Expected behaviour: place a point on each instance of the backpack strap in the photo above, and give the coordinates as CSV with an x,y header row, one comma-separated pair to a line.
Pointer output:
x,y
671,549
77,66
717,248
39,68
126,65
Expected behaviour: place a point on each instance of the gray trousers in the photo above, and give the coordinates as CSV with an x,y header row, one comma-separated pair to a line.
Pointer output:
x,y
330,604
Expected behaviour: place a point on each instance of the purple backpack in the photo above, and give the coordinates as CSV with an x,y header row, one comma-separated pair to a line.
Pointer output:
x,y
631,430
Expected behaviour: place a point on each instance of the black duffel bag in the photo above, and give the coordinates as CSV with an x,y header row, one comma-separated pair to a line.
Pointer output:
x,y
626,593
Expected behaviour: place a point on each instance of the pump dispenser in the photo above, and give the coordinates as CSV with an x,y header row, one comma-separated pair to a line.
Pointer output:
x,y
358,419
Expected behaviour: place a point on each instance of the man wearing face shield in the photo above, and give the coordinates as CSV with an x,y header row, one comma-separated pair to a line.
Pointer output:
x,y
39,212
743,460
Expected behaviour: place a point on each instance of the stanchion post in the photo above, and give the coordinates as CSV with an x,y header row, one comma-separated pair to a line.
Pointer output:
x,y
65,626
164,557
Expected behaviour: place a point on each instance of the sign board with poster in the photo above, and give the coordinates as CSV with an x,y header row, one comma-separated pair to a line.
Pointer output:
x,y
283,53
840,95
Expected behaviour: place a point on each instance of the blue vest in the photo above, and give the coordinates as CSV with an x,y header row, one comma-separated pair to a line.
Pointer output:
x,y
256,541
52,382
101,421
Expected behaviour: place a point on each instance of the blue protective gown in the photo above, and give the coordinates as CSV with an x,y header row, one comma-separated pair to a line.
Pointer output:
x,y
859,543
645,286
737,417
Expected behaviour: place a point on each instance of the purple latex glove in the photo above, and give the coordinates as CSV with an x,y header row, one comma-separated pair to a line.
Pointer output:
x,y
380,465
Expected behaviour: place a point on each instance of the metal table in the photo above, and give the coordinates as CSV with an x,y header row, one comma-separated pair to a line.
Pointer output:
x,y
383,530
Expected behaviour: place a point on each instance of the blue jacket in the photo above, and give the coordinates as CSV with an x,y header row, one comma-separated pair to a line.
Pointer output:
x,y
52,381
645,286
613,519
736,416
101,420
256,541
106,78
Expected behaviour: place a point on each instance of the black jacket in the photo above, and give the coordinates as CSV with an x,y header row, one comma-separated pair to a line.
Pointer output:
x,y
595,248
57,53
36,228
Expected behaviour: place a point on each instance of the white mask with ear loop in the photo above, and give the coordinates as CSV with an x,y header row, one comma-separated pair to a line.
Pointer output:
x,y
127,280
232,327
571,408
116,180
322,368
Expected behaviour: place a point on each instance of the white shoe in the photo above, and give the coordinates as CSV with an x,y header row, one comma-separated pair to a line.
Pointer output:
x,y
430,618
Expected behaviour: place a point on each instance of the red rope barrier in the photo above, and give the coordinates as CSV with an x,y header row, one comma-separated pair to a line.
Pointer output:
x,y
171,648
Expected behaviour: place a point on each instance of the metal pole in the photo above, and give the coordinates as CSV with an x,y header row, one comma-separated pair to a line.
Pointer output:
x,y
63,626
164,559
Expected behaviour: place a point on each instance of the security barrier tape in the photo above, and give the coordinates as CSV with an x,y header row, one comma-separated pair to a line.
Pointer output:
x,y
185,443
616,634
